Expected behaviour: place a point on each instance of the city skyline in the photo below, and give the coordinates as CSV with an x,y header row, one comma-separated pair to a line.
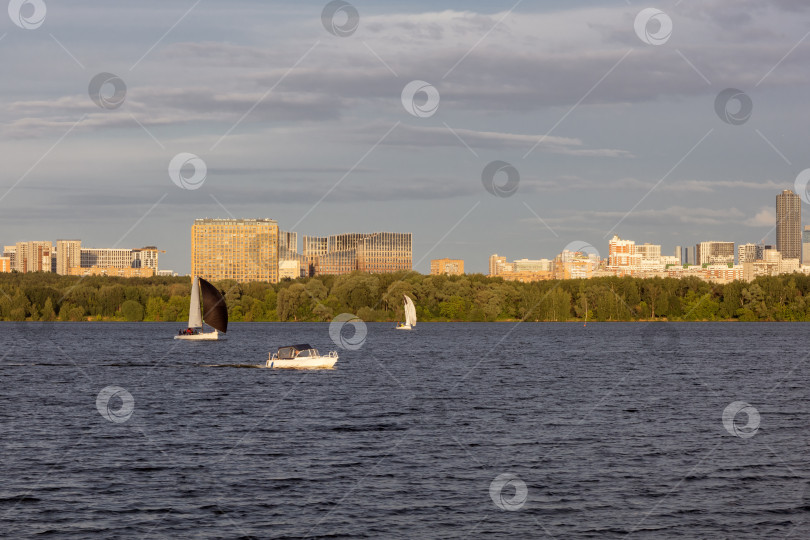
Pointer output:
x,y
309,128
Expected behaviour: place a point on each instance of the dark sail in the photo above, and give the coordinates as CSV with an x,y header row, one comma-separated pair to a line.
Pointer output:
x,y
215,312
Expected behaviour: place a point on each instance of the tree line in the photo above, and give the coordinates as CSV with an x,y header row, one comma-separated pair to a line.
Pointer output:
x,y
378,297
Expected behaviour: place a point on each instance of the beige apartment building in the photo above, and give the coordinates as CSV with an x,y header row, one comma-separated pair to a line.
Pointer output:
x,y
68,255
240,249
33,256
448,267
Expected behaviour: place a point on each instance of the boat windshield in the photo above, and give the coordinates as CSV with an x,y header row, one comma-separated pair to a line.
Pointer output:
x,y
308,353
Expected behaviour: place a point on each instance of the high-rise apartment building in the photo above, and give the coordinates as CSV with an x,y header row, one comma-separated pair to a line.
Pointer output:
x,y
714,253
11,253
649,252
497,265
240,249
748,253
68,255
789,225
385,252
292,263
623,252
33,256
380,252
806,245
314,247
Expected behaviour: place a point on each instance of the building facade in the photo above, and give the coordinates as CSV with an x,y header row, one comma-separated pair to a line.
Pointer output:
x,y
714,253
377,253
33,256
448,267
68,255
789,225
244,250
806,245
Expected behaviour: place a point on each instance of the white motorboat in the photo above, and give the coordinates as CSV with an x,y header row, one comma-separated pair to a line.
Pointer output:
x,y
302,356
213,312
410,315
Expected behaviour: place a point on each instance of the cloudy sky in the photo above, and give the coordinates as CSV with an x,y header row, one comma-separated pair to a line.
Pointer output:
x,y
611,124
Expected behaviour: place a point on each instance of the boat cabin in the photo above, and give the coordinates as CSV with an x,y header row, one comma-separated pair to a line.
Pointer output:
x,y
303,350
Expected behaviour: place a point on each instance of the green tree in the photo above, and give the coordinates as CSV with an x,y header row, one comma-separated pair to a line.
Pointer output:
x,y
132,311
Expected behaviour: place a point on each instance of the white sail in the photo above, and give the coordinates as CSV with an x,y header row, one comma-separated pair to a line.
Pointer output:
x,y
410,312
194,310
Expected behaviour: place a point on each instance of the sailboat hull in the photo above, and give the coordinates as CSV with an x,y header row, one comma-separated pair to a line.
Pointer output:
x,y
404,327
202,336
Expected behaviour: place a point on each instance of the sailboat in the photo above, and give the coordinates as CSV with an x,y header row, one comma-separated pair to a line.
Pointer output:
x,y
410,315
213,311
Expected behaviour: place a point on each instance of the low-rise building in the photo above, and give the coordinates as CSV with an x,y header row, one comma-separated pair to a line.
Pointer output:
x,y
448,267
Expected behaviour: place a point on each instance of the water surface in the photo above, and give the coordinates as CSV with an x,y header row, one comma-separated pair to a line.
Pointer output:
x,y
615,430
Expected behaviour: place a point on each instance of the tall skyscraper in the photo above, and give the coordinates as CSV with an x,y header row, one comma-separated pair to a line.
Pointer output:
x,y
240,249
789,225
806,245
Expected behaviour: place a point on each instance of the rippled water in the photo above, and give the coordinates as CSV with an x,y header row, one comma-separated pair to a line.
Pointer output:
x,y
614,429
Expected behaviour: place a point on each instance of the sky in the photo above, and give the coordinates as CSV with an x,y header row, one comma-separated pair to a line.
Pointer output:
x,y
603,117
